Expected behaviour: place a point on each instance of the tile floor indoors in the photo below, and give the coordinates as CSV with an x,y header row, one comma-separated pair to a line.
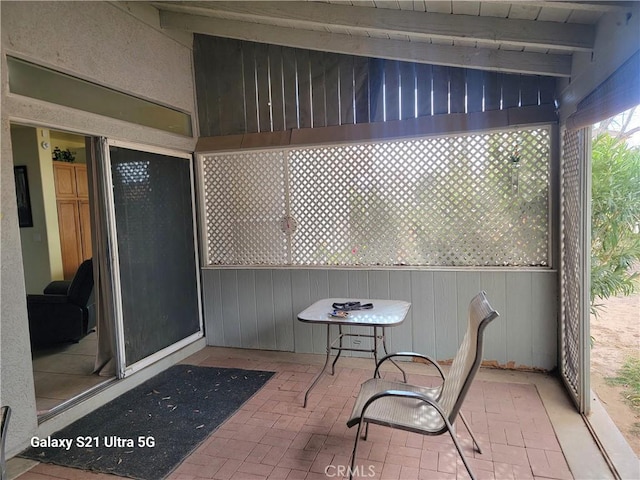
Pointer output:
x,y
273,437
61,373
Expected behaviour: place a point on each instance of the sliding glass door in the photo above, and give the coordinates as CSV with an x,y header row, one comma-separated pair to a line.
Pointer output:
x,y
153,253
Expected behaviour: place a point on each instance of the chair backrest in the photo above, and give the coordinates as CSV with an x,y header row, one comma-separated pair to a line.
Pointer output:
x,y
82,284
469,357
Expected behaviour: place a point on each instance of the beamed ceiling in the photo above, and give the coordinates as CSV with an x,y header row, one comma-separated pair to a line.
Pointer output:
x,y
531,37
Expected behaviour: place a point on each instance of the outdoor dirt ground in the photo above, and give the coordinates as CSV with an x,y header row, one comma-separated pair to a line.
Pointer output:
x,y
616,334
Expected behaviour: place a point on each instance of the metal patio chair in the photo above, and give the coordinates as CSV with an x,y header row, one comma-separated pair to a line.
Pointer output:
x,y
5,414
429,411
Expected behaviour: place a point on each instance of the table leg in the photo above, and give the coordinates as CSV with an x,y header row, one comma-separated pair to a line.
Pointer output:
x,y
384,345
335,360
326,362
375,346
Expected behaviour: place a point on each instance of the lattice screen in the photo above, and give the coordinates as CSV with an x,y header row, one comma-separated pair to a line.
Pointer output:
x,y
570,254
245,204
465,200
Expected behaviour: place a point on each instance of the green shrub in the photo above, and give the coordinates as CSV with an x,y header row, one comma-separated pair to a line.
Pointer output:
x,y
629,378
615,215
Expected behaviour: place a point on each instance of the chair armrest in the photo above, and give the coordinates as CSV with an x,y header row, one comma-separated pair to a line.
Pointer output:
x,y
391,356
46,299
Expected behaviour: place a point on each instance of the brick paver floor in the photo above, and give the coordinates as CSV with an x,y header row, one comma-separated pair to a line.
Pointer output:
x,y
273,437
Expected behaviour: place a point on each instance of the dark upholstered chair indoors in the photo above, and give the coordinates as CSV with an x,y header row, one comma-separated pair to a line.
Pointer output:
x,y
64,313
420,409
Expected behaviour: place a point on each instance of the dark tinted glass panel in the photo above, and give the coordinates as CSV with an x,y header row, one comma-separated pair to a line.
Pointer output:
x,y
45,84
158,268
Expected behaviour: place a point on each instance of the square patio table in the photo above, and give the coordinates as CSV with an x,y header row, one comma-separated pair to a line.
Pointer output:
x,y
385,313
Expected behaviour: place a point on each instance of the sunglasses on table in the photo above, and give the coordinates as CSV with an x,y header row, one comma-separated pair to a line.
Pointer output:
x,y
351,306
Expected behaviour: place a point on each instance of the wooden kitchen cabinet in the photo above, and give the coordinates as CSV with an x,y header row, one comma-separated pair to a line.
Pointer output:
x,y
74,219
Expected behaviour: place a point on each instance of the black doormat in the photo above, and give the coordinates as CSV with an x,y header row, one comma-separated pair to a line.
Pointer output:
x,y
146,432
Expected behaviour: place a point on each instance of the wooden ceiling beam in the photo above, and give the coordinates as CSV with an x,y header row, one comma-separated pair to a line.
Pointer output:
x,y
595,6
420,52
365,20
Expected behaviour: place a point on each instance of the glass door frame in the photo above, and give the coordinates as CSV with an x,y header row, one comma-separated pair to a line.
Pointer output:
x,y
113,257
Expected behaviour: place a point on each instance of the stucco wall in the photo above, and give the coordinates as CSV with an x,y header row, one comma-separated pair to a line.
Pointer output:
x,y
116,45
16,377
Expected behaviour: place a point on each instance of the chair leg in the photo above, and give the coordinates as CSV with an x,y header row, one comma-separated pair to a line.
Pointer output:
x,y
355,449
459,448
475,442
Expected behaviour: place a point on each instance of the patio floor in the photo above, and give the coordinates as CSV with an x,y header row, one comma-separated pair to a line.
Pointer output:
x,y
524,423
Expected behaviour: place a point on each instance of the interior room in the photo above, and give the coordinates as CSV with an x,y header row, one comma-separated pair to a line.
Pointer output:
x,y
56,240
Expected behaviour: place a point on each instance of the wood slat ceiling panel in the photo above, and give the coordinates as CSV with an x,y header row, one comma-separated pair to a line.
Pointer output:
x,y
554,15
466,8
438,7
562,11
581,16
361,3
523,12
494,9
406,5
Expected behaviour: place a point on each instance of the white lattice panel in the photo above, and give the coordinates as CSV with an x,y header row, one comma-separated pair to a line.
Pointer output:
x,y
244,200
434,201
570,252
